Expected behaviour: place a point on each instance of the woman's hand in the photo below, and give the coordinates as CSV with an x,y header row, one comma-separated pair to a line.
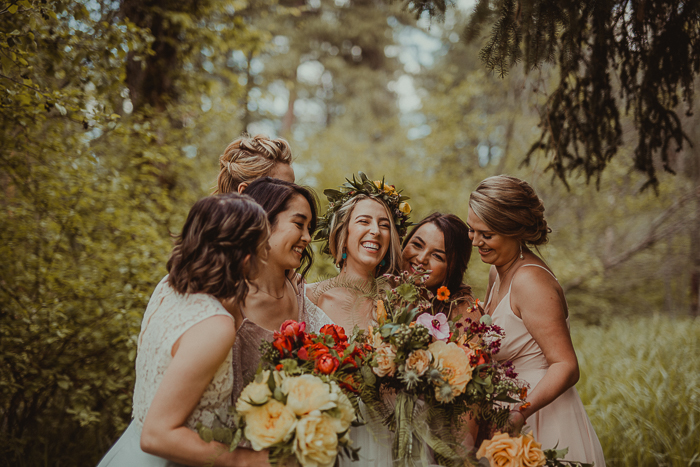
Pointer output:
x,y
516,422
197,356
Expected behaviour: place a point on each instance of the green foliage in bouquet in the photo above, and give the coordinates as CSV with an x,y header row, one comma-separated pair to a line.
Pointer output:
x,y
436,369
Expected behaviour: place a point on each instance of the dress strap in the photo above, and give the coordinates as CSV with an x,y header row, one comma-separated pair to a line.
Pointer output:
x,y
537,266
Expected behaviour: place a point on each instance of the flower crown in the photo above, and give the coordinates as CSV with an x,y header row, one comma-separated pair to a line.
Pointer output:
x,y
377,189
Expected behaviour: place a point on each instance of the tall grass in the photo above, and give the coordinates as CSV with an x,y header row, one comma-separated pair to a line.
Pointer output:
x,y
640,382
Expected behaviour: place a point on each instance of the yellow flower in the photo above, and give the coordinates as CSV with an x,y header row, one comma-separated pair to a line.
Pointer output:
x,y
501,451
316,443
531,454
381,312
257,393
453,363
418,361
385,355
405,208
307,393
269,424
388,189
345,414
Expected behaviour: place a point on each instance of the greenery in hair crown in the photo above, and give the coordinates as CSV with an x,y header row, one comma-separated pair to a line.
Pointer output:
x,y
377,189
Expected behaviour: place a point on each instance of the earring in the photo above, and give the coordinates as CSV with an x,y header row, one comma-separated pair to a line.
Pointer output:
x,y
521,251
345,256
383,262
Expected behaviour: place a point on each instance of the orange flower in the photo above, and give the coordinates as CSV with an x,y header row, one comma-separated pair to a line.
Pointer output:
x,y
443,293
327,363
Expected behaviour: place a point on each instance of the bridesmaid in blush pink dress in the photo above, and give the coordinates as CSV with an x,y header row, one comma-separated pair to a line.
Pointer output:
x,y
525,299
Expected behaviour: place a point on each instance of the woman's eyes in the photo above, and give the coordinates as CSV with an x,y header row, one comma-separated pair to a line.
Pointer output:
x,y
486,237
439,258
385,226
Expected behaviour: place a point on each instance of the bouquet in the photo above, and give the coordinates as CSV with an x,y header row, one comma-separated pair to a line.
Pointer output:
x,y
448,366
302,403
522,451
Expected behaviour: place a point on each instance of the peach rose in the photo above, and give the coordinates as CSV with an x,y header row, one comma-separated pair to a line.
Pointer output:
x,y
385,355
307,393
453,363
531,454
501,451
418,361
405,208
316,443
257,393
345,413
269,424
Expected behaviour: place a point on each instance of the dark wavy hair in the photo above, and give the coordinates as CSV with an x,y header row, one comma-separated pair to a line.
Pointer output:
x,y
458,250
209,256
274,196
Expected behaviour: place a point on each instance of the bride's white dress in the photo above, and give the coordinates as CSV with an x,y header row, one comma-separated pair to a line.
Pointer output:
x,y
373,439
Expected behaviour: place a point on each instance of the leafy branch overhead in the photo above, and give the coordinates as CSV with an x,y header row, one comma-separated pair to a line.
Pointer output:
x,y
613,57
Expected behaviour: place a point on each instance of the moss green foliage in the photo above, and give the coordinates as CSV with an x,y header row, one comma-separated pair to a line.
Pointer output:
x,y
641,387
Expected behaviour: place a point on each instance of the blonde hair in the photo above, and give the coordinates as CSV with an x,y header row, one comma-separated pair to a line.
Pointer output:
x,y
338,235
247,159
510,207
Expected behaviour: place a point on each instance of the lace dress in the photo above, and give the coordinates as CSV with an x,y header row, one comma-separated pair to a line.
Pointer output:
x,y
564,422
168,315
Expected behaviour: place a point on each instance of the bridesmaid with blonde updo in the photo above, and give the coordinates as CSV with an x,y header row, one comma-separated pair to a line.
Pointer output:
x,y
248,158
506,218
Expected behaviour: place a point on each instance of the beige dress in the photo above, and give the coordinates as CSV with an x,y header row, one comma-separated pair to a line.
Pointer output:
x,y
246,348
168,315
562,423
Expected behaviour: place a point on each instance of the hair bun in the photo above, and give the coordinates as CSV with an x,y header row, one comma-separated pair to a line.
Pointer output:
x,y
511,207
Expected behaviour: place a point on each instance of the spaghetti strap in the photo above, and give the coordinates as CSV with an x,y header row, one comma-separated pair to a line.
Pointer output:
x,y
536,265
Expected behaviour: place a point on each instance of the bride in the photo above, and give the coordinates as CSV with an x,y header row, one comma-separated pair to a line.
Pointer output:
x,y
361,232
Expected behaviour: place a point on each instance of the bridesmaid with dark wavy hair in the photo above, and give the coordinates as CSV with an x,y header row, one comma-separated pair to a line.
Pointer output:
x,y
183,365
440,244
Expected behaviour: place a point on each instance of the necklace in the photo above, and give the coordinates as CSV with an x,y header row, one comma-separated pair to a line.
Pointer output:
x,y
274,296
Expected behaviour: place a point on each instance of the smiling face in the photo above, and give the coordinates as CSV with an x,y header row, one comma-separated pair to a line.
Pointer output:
x,y
426,251
290,235
369,235
493,247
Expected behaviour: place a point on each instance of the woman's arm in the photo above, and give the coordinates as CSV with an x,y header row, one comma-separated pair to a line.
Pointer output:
x,y
197,355
537,298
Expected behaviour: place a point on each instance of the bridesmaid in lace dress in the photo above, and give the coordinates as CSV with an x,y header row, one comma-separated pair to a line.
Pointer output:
x,y
525,299
277,295
183,365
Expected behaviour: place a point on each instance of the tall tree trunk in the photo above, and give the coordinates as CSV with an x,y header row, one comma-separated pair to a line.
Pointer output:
x,y
288,119
152,81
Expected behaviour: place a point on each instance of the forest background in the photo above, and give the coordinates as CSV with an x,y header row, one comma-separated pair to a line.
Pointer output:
x,y
114,114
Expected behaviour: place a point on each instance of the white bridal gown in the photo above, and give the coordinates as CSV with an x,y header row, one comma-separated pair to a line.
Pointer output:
x,y
168,315
374,439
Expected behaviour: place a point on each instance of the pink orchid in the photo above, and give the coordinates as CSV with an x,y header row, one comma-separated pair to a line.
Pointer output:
x,y
437,325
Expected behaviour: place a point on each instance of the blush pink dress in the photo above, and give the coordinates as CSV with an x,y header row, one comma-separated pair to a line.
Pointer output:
x,y
562,423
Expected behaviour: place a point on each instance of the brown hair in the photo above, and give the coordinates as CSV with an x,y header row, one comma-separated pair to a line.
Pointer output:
x,y
210,254
338,235
510,207
247,159
458,249
274,196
